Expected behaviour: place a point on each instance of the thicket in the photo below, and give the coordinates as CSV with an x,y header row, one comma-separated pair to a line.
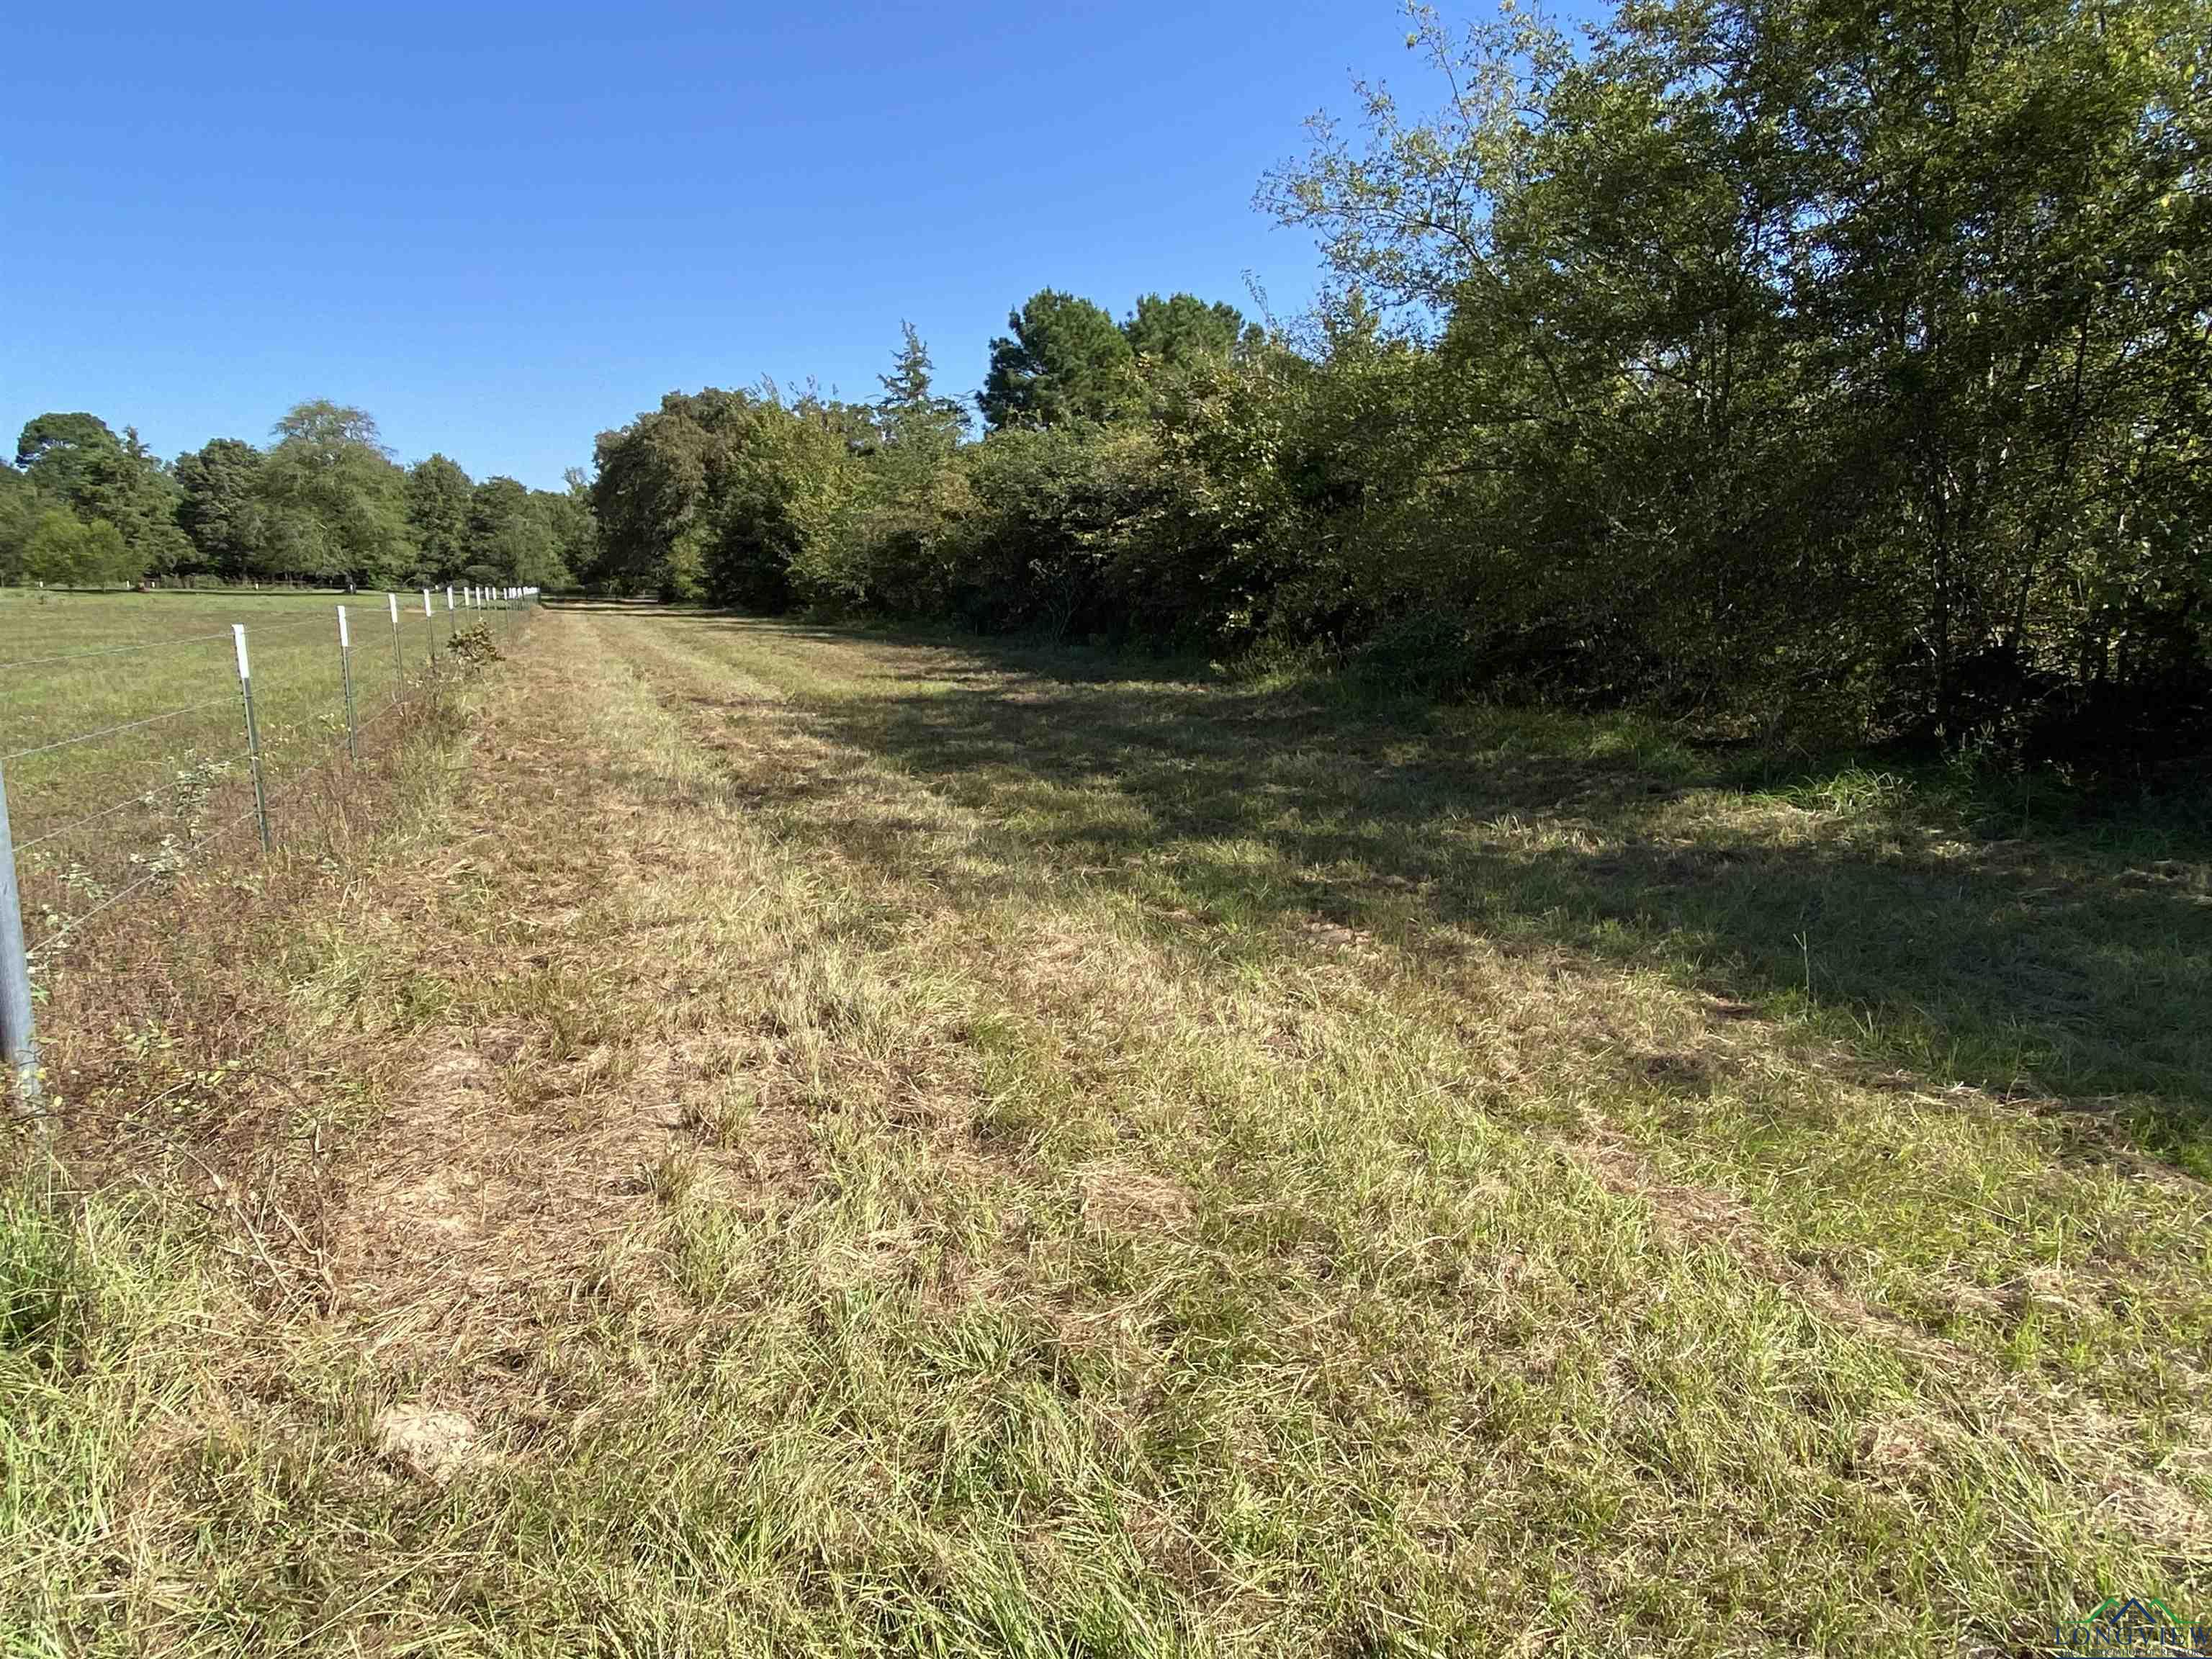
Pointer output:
x,y
1825,363
324,502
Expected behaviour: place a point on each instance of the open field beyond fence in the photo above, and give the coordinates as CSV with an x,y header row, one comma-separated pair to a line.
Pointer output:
x,y
123,723
789,1141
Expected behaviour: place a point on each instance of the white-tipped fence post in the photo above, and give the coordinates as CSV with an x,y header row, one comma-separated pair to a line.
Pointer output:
x,y
345,675
430,626
399,667
17,1033
252,733
449,612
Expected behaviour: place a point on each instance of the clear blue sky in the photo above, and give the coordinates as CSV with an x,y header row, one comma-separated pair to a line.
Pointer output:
x,y
502,228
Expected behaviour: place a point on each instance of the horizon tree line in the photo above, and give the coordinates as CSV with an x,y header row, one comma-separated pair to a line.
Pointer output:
x,y
323,503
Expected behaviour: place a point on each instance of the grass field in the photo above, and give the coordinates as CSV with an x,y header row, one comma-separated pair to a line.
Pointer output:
x,y
149,683
861,1145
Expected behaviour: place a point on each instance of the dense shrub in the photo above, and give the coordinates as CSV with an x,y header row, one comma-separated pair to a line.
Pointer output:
x,y
1675,369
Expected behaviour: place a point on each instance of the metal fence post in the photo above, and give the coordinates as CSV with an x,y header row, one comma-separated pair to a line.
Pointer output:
x,y
430,626
345,675
398,670
449,612
17,1033
252,733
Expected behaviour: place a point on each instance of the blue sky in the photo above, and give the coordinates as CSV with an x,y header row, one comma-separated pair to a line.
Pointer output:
x,y
501,229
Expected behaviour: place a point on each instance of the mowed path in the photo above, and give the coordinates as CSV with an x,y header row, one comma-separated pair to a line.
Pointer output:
x,y
873,1149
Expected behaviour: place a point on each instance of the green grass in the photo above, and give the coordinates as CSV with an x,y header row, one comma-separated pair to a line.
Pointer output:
x,y
872,1147
90,818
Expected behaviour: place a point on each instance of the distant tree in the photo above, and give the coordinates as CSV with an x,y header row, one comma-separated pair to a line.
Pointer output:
x,y
438,501
57,451
219,507
62,549
522,552
336,503
910,415
55,549
1182,330
108,557
19,512
877,537
494,505
649,485
1065,361
76,461
571,534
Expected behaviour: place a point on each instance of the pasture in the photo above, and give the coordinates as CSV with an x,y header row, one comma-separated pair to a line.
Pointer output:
x,y
123,721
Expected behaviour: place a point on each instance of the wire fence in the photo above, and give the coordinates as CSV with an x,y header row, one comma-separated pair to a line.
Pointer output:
x,y
122,763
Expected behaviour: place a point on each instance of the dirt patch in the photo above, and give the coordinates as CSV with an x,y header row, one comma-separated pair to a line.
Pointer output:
x,y
2162,1515
431,1445
1120,1198
1336,936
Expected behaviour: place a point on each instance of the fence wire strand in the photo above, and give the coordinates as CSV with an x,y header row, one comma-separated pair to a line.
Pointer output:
x,y
144,797
114,651
110,731
55,940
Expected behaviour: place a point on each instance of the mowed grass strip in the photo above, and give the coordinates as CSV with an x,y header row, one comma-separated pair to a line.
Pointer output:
x,y
839,1193
2027,1225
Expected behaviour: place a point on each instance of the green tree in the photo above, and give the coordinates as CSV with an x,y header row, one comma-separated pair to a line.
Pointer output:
x,y
571,534
62,549
19,507
1064,361
911,417
521,535
335,501
438,502
56,550
108,557
1182,330
649,483
219,507
495,506
76,460
61,453
697,498
1052,508
1804,348
876,535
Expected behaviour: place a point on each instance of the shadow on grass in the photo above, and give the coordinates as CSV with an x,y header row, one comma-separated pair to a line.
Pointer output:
x,y
2071,963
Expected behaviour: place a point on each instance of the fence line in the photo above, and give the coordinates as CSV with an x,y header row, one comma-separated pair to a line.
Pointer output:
x,y
463,605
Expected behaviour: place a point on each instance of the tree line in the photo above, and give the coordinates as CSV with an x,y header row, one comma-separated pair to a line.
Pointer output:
x,y
1834,365
324,502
